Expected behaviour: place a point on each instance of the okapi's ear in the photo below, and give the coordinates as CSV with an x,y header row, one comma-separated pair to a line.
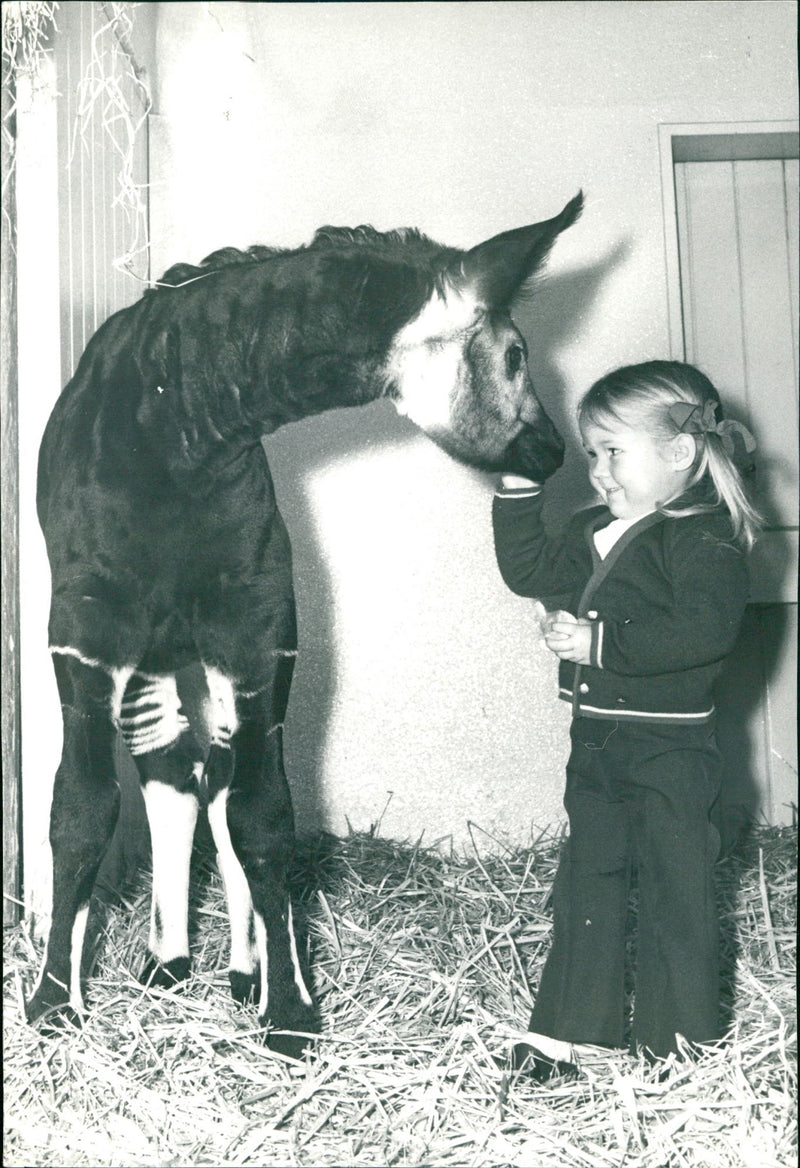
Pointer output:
x,y
495,270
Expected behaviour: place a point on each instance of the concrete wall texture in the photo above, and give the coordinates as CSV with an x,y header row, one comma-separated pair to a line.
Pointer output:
x,y
422,693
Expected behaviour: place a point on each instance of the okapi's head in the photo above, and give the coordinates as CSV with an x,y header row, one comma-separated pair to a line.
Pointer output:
x,y
458,369
280,334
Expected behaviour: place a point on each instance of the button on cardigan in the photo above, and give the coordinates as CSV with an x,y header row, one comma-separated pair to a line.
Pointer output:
x,y
665,604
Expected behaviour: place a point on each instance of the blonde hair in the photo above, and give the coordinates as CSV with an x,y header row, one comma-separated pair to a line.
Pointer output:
x,y
640,397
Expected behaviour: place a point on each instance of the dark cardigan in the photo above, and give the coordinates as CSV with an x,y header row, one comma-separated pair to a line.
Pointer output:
x,y
665,604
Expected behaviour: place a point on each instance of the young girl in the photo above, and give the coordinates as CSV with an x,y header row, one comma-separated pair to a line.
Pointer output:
x,y
655,585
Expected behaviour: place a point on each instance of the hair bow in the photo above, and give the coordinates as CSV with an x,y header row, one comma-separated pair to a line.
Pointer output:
x,y
692,419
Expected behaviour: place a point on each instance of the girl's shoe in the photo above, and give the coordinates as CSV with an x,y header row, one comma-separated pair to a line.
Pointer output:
x,y
541,1067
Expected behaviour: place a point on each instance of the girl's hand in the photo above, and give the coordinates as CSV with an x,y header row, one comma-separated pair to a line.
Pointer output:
x,y
569,638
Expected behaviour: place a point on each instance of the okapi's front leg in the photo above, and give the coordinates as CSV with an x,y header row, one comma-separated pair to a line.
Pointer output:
x,y
82,818
250,813
158,736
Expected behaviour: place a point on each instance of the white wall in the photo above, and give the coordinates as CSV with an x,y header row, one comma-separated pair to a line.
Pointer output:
x,y
419,675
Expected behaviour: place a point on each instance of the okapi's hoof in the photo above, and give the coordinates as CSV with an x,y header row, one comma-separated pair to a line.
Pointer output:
x,y
294,1034
244,986
58,1019
291,1045
166,975
50,1006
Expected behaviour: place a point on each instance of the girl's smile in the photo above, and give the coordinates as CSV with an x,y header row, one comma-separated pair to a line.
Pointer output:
x,y
633,472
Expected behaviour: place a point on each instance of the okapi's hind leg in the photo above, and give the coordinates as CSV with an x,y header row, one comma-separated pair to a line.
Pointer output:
x,y
250,813
248,952
82,818
167,757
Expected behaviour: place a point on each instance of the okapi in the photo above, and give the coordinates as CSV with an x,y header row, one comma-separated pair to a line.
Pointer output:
x,y
167,548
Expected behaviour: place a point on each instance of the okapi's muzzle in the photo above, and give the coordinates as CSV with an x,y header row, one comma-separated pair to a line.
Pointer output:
x,y
537,452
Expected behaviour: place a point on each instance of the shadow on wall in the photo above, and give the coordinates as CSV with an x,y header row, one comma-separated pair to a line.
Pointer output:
x,y
741,692
295,454
550,321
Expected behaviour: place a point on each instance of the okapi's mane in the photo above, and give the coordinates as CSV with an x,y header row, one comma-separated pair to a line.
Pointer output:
x,y
403,242
223,258
366,236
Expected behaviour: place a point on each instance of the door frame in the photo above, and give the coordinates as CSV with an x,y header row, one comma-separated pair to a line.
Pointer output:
x,y
44,298
708,142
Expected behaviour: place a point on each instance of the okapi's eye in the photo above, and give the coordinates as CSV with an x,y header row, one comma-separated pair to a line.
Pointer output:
x,y
514,358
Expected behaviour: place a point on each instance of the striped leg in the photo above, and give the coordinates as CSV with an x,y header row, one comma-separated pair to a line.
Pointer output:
x,y
84,811
172,815
247,962
254,831
248,965
158,736
247,968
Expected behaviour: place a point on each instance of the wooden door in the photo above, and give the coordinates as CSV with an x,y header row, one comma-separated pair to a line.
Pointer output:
x,y
738,243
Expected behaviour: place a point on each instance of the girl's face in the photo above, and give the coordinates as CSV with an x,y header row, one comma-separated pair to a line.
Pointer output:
x,y
633,472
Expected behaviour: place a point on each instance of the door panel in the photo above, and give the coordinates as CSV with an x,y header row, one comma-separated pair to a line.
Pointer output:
x,y
738,245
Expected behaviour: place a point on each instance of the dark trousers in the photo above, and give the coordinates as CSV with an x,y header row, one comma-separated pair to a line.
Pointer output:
x,y
636,794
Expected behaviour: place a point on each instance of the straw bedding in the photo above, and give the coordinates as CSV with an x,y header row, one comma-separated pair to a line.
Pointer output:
x,y
423,962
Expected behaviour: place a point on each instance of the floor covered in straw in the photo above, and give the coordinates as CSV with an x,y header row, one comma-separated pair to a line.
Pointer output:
x,y
424,965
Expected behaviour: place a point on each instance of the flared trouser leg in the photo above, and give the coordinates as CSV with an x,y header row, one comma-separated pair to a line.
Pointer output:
x,y
677,969
640,793
581,994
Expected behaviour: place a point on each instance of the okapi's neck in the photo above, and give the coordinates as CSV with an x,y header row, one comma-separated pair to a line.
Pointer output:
x,y
245,351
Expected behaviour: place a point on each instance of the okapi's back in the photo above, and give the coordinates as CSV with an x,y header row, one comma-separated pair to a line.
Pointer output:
x,y
103,388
